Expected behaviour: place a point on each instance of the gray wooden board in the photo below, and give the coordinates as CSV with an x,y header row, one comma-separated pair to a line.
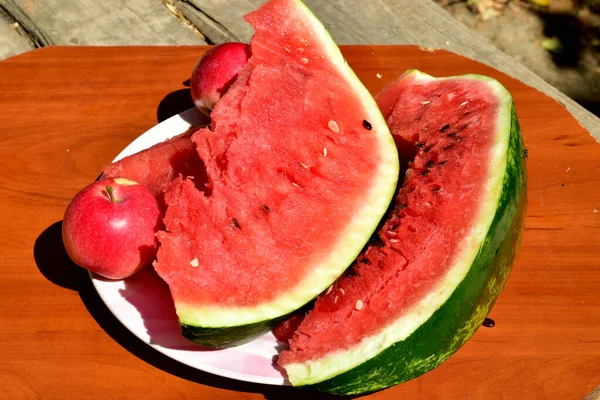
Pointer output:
x,y
420,22
92,22
11,43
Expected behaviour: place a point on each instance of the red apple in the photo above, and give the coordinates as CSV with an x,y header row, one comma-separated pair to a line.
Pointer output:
x,y
109,227
216,70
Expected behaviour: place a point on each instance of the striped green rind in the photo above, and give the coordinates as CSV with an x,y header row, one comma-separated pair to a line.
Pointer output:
x,y
224,326
227,336
457,319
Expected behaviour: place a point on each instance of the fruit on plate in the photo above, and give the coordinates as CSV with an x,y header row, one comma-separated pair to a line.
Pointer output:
x,y
216,70
109,228
158,165
440,258
302,169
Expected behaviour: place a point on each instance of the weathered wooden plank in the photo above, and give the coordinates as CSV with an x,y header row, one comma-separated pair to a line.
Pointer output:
x,y
420,22
11,43
107,22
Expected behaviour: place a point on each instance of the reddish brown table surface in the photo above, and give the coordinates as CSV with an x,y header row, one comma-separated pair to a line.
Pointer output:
x,y
65,112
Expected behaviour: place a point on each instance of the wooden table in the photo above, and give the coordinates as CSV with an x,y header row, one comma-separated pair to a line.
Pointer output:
x,y
68,111
30,24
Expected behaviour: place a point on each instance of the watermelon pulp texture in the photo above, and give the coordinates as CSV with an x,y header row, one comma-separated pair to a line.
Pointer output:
x,y
158,165
301,168
439,260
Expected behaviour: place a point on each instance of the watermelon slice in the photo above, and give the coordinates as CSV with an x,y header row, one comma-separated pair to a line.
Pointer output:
x,y
158,165
302,168
438,262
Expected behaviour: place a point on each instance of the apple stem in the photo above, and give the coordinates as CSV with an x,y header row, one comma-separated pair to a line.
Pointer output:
x,y
109,190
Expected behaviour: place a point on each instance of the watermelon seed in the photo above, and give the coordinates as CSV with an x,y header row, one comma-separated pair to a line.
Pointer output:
x,y
419,145
367,125
266,208
448,147
426,149
442,162
377,242
444,128
391,233
464,103
408,172
235,223
342,291
488,323
453,134
295,184
359,305
435,188
325,151
304,60
300,50
429,164
425,102
329,289
304,165
427,204
194,263
335,299
333,126
394,240
423,173
365,261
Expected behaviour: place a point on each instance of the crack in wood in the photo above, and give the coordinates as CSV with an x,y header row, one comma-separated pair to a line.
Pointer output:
x,y
169,4
211,29
24,25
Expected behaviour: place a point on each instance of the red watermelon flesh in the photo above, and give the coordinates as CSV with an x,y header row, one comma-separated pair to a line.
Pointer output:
x,y
289,157
158,165
416,244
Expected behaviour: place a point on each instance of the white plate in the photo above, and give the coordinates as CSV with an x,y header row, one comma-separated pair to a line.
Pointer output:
x,y
143,304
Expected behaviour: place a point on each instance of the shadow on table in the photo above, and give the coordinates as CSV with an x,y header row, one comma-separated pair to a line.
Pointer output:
x,y
175,103
56,266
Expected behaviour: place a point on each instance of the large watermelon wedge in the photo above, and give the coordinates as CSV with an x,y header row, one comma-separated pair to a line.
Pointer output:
x,y
302,168
431,274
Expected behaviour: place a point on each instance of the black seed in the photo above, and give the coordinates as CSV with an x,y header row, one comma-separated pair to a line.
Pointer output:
x,y
235,223
436,188
418,145
525,153
429,164
376,241
448,147
444,128
266,208
488,323
394,226
426,149
365,261
453,134
350,272
442,162
423,173
367,125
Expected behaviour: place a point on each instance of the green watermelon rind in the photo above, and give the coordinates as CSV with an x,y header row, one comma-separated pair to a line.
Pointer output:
x,y
418,343
235,320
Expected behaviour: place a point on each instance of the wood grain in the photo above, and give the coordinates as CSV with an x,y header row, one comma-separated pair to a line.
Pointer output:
x,y
68,111
100,23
